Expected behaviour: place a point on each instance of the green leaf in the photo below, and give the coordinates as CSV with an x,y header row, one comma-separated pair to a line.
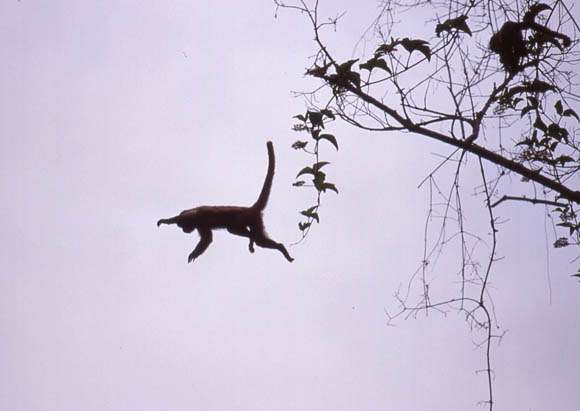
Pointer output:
x,y
526,110
318,180
328,113
558,107
318,71
461,25
315,118
526,142
570,113
305,170
330,186
347,66
330,138
458,23
375,62
533,101
571,226
304,226
564,159
386,48
311,214
311,209
354,78
299,145
538,86
539,124
319,165
419,45
557,132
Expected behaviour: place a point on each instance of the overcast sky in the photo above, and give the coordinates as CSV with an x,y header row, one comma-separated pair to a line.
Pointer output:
x,y
114,114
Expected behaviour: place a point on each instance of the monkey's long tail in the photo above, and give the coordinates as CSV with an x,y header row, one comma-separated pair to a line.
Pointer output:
x,y
262,200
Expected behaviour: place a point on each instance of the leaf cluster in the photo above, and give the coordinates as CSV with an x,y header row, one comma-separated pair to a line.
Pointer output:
x,y
313,123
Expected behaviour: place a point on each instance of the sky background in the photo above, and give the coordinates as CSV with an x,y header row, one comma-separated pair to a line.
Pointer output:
x,y
114,114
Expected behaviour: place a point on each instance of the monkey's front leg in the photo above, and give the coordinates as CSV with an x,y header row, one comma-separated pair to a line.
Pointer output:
x,y
205,240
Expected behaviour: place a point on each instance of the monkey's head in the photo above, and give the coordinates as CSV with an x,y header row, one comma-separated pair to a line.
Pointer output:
x,y
188,220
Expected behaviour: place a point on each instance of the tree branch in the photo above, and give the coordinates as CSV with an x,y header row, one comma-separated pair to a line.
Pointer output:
x,y
529,200
562,190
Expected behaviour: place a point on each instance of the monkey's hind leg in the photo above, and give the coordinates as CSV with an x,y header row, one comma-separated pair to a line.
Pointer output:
x,y
243,231
263,241
205,240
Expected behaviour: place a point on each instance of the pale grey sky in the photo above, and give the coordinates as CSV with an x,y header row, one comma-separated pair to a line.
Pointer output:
x,y
114,114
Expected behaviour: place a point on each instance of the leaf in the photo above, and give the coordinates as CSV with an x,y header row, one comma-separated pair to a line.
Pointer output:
x,y
319,165
461,25
558,107
458,23
305,170
347,66
526,110
375,62
354,78
570,113
304,226
557,132
318,71
330,186
299,145
526,142
538,86
311,209
328,113
561,242
330,138
300,117
571,226
318,180
310,213
419,45
564,159
386,48
315,118
539,124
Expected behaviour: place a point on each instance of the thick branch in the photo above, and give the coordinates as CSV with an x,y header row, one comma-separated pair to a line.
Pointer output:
x,y
562,190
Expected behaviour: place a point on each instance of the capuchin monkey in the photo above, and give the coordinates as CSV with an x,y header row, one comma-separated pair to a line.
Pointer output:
x,y
242,221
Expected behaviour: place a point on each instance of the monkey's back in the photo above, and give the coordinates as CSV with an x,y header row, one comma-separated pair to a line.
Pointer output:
x,y
216,217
